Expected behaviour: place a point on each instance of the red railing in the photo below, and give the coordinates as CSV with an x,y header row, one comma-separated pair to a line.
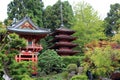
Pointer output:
x,y
34,48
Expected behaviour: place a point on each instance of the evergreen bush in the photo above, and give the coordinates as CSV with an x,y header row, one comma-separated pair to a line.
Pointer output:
x,y
79,77
72,60
50,61
72,67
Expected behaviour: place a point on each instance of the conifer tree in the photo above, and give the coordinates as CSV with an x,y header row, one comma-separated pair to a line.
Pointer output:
x,y
21,8
112,20
52,15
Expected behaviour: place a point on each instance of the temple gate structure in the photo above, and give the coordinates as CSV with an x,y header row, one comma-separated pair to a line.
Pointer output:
x,y
25,28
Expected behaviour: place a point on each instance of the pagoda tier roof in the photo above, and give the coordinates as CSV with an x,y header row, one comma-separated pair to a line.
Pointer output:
x,y
61,37
63,30
56,39
63,44
65,52
26,26
67,37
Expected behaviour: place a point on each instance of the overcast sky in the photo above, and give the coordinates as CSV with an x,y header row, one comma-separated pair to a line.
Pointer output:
x,y
102,6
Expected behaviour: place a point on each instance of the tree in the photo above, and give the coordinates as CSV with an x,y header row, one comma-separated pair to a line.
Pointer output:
x,y
21,8
88,25
50,61
52,15
102,61
112,21
7,63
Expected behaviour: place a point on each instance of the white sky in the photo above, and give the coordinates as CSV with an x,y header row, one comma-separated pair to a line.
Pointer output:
x,y
102,6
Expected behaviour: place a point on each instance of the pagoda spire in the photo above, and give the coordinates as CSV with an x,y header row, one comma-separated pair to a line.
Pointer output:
x,y
61,14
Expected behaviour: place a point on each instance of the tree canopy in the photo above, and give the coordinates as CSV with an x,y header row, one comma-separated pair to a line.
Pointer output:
x,y
21,8
112,21
88,25
52,15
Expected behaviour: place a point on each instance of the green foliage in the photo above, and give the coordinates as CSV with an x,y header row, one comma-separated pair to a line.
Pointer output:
x,y
72,60
16,41
65,74
20,8
116,38
7,55
112,21
2,28
102,61
21,67
72,67
21,70
52,18
50,61
79,77
88,25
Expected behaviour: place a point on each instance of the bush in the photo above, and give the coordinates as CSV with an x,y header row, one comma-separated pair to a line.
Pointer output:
x,y
50,61
79,77
72,67
65,74
72,60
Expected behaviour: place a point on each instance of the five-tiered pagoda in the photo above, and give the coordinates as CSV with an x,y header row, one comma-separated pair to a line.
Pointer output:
x,y
25,28
63,41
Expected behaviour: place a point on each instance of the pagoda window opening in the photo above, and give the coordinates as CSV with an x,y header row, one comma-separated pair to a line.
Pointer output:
x,y
29,42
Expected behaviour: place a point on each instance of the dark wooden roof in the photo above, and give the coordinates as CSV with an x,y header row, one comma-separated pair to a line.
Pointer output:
x,y
26,26
63,44
63,30
66,52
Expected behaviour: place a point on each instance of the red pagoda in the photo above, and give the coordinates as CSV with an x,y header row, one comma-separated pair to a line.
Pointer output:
x,y
25,28
63,41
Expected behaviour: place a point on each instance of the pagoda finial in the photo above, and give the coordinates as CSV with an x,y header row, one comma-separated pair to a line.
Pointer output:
x,y
61,14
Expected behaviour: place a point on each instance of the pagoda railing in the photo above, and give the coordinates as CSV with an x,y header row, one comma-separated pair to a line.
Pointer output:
x,y
34,48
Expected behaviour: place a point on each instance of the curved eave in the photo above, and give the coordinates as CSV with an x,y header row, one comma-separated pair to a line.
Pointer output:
x,y
65,30
65,37
22,31
65,44
56,39
60,31
66,52
56,46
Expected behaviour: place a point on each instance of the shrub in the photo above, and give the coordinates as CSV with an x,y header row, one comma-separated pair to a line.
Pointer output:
x,y
102,61
79,77
72,60
72,67
65,74
50,61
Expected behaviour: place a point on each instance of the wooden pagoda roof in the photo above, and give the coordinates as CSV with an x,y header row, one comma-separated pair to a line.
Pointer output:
x,y
66,52
26,26
65,44
63,30
67,37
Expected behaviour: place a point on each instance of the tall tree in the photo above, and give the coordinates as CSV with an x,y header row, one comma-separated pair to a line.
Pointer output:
x,y
20,8
7,53
113,19
88,25
52,15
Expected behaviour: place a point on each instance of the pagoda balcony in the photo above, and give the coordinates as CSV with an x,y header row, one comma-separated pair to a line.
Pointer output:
x,y
34,48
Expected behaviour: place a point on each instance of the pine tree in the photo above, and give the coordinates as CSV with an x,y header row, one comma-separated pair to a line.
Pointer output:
x,y
112,20
52,15
21,8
